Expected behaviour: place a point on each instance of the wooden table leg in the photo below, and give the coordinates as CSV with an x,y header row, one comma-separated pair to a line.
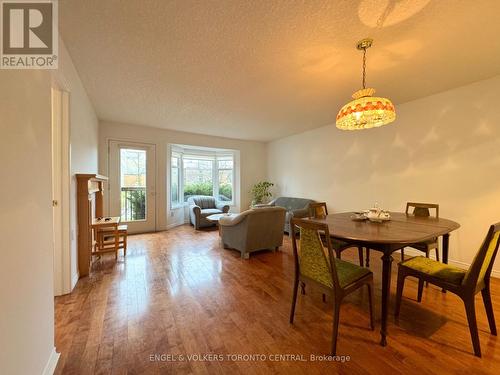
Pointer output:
x,y
386,290
446,245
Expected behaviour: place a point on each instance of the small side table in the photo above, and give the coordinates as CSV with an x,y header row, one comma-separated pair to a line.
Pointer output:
x,y
109,224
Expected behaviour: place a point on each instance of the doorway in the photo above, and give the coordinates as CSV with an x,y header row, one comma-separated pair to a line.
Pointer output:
x,y
132,185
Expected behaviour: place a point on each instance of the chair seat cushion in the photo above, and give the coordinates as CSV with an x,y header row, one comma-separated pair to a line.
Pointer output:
x,y
349,272
445,272
210,211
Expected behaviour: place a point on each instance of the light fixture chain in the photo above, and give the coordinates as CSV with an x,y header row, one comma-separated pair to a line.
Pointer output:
x,y
364,68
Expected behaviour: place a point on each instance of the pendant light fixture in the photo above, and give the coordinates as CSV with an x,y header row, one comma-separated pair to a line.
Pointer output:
x,y
365,111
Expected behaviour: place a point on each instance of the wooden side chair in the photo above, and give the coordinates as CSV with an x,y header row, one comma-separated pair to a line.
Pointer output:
x,y
318,210
112,239
423,210
333,276
464,283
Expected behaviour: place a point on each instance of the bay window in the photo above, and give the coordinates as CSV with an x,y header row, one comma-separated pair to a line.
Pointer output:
x,y
201,172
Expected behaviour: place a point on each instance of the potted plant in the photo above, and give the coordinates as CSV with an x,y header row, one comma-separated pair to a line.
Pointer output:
x,y
260,192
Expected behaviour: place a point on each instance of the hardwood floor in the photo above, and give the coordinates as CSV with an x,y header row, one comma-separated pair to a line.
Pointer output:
x,y
179,293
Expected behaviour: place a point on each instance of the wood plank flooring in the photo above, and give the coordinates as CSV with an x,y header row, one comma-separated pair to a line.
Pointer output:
x,y
178,293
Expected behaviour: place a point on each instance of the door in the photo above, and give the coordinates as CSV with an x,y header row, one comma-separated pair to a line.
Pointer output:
x,y
132,192
60,191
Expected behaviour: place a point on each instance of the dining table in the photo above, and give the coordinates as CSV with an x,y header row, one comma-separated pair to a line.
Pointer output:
x,y
387,237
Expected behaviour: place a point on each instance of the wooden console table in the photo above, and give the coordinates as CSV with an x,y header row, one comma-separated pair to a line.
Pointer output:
x,y
110,225
90,191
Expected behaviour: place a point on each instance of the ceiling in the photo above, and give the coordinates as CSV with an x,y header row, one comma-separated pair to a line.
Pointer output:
x,y
261,69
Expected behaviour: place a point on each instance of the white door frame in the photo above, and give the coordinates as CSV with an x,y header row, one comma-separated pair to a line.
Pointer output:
x,y
61,190
114,175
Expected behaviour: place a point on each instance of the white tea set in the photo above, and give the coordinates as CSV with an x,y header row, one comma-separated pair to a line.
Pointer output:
x,y
374,214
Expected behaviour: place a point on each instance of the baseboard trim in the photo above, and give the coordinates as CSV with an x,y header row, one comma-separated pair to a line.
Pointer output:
x,y
74,280
51,365
456,263
173,225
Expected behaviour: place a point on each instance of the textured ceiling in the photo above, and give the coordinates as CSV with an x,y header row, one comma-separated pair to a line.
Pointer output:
x,y
261,69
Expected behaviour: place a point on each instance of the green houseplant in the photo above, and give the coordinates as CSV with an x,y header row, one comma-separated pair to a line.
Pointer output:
x,y
260,192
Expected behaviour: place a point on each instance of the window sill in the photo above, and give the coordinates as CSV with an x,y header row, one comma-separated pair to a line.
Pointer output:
x,y
178,206
186,204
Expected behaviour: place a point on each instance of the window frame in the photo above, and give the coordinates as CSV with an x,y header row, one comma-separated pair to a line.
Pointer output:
x,y
216,170
180,193
121,182
190,156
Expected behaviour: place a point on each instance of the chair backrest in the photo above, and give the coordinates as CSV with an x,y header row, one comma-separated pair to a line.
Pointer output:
x,y
422,209
290,203
262,227
266,218
311,260
480,269
318,210
203,201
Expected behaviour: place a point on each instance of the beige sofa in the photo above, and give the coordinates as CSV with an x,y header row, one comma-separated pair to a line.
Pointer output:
x,y
253,230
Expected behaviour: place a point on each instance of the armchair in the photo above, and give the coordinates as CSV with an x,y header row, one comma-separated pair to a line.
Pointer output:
x,y
202,206
253,230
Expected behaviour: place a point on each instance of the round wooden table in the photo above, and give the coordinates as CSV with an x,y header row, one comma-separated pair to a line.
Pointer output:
x,y
387,237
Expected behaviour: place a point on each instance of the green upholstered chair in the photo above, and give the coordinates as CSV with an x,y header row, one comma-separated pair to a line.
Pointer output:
x,y
464,283
316,265
318,210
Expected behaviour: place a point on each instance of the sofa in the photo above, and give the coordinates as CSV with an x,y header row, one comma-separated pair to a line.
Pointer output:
x,y
253,230
201,206
296,207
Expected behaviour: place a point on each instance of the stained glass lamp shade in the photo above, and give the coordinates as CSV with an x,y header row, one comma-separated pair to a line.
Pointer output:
x,y
365,111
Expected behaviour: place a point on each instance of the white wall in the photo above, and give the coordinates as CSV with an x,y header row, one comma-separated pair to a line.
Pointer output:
x,y
26,277
444,149
252,161
83,139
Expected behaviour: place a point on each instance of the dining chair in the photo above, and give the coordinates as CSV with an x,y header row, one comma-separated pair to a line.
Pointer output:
x,y
423,210
464,283
316,265
318,210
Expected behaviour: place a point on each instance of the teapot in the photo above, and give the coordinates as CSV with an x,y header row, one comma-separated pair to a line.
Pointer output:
x,y
373,213
377,214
